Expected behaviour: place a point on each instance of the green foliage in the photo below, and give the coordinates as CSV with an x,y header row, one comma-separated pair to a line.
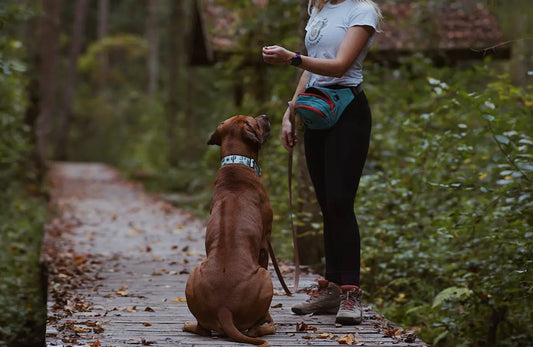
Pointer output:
x,y
22,296
446,203
119,48
22,212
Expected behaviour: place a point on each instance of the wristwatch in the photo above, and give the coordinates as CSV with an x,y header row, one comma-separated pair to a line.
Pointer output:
x,y
296,60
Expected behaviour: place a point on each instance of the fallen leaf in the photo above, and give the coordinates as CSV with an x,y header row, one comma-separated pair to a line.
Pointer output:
x,y
280,305
325,336
349,339
149,309
304,327
96,344
301,326
178,299
392,332
82,330
134,232
122,291
146,324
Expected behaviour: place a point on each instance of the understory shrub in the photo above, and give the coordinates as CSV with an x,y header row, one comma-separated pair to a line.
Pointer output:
x,y
445,205
22,208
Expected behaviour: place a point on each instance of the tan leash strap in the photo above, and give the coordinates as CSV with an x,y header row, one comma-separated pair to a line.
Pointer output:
x,y
292,118
276,267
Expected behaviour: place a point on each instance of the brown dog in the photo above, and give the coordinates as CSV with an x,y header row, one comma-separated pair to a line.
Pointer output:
x,y
231,290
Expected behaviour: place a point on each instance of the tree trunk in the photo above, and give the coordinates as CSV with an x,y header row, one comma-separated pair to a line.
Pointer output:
x,y
310,240
103,57
516,22
152,36
522,51
174,64
47,52
71,77
191,119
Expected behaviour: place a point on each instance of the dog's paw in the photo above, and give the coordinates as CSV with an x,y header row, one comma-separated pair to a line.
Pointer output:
x,y
266,328
196,329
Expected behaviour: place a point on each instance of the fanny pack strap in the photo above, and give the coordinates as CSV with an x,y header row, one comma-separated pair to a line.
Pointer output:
x,y
358,89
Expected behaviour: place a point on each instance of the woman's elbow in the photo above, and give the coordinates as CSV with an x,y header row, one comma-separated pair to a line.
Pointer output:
x,y
340,71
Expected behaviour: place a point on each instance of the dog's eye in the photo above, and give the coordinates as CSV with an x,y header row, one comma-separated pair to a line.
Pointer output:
x,y
250,126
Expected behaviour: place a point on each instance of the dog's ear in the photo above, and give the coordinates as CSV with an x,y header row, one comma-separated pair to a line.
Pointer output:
x,y
216,138
253,134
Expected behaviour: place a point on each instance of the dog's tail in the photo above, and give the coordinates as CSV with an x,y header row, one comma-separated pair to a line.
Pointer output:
x,y
225,319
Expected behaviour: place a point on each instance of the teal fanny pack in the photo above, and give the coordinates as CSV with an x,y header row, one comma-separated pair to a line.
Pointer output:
x,y
320,107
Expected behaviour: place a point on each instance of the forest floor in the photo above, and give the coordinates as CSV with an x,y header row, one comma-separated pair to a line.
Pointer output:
x,y
118,259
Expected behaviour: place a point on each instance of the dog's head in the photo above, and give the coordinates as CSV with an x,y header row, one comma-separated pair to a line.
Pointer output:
x,y
249,130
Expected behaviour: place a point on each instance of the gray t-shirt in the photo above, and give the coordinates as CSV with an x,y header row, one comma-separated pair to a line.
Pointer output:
x,y
325,32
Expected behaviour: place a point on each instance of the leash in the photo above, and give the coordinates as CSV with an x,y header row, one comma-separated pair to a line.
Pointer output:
x,y
276,267
292,117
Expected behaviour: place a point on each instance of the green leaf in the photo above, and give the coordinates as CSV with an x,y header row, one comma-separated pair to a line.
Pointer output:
x,y
450,294
441,337
502,139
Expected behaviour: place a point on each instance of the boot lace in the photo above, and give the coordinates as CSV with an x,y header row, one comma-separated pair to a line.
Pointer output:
x,y
349,299
317,293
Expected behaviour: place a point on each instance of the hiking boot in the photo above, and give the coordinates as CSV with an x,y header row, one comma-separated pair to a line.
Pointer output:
x,y
351,306
324,299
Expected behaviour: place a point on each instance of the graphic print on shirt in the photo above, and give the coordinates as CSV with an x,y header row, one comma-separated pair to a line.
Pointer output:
x,y
315,29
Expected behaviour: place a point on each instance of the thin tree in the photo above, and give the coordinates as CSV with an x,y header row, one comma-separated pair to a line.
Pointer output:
x,y
48,30
78,27
103,29
152,36
175,62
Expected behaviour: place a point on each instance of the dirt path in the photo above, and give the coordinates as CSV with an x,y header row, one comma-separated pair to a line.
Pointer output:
x,y
118,261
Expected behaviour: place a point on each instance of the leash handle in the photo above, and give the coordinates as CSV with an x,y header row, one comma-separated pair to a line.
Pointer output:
x,y
292,117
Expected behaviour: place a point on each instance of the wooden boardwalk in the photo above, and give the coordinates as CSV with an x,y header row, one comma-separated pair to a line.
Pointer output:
x,y
118,262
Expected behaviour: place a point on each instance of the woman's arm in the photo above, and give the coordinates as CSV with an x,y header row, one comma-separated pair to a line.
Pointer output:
x,y
287,135
355,39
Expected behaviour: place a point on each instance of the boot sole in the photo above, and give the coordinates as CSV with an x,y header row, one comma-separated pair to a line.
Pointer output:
x,y
299,311
348,320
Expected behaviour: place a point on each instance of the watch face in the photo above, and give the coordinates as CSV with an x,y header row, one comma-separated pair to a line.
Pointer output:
x,y
297,60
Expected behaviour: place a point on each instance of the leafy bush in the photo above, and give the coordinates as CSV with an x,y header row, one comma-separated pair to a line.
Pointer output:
x,y
446,204
22,212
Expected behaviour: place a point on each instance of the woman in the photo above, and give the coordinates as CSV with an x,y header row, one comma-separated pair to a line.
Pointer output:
x,y
338,36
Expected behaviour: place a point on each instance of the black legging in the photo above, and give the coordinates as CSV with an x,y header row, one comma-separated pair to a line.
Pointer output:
x,y
335,159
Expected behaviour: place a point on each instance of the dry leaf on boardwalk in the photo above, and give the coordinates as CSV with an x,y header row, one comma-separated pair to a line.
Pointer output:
x,y
123,291
325,336
304,327
349,339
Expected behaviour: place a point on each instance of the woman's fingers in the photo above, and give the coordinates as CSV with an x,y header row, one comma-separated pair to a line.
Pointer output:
x,y
274,55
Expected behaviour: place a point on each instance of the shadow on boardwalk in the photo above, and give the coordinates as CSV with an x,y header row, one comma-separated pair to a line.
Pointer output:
x,y
118,261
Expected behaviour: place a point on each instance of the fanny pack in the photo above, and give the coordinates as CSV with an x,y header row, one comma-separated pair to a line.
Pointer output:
x,y
320,107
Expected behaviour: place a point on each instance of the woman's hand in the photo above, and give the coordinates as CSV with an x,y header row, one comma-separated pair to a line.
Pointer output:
x,y
288,138
277,55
